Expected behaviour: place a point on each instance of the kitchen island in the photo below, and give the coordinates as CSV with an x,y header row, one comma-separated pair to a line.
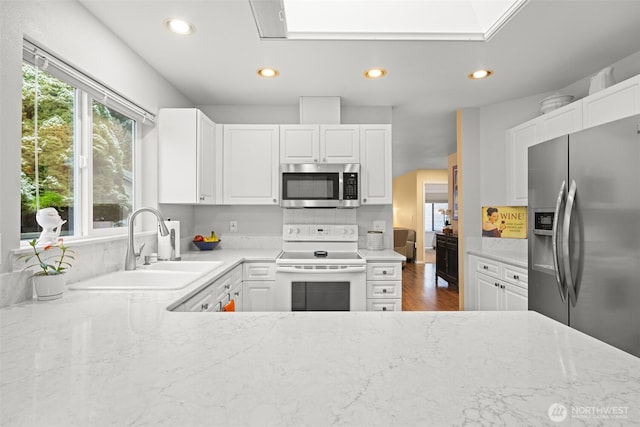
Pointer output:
x,y
120,358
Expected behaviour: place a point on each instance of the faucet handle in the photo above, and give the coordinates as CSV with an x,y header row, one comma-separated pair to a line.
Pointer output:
x,y
137,254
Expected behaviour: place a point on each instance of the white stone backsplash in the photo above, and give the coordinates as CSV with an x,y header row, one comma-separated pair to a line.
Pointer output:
x,y
516,249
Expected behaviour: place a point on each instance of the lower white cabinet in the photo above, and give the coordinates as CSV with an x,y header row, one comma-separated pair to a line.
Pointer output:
x,y
495,285
259,295
259,286
384,286
202,301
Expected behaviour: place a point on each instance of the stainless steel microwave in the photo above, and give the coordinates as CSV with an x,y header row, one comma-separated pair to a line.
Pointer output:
x,y
320,185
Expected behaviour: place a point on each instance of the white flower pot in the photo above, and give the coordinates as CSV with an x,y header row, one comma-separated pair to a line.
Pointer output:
x,y
49,287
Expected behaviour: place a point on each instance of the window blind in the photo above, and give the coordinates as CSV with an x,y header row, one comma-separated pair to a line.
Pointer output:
x,y
39,57
436,193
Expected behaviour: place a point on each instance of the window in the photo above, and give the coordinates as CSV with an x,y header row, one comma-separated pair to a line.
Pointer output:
x,y
433,220
78,149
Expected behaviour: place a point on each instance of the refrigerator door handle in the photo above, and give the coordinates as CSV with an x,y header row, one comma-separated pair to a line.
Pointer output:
x,y
566,227
554,244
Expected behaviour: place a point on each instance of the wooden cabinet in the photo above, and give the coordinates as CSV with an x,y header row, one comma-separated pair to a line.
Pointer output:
x,y
251,165
496,286
376,179
447,258
187,159
259,290
319,144
384,286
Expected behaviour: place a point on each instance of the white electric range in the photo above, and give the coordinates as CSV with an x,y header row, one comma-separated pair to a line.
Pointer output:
x,y
320,269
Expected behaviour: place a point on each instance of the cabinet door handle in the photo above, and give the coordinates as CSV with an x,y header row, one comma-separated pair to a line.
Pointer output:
x,y
496,285
237,293
275,200
364,200
486,267
384,308
516,277
201,197
384,291
204,306
227,286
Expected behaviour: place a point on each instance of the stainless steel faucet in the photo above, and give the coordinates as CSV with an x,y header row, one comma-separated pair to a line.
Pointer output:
x,y
130,258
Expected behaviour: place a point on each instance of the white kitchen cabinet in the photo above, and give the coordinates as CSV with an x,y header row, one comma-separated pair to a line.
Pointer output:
x,y
563,121
340,143
376,180
299,143
187,159
259,295
496,285
384,286
615,102
519,139
319,144
251,165
259,286
202,301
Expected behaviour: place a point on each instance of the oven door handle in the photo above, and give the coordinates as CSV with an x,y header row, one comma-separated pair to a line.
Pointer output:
x,y
339,270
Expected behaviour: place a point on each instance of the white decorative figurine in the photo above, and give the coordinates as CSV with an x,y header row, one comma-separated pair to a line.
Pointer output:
x,y
51,223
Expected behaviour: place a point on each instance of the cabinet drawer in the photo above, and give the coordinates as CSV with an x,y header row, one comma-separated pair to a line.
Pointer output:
x,y
384,289
200,302
384,304
259,271
491,268
515,275
384,271
223,286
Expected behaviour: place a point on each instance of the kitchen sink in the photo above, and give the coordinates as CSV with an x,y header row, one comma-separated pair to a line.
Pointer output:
x,y
187,266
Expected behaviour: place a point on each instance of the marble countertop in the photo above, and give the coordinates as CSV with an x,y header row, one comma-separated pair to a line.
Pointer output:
x,y
120,358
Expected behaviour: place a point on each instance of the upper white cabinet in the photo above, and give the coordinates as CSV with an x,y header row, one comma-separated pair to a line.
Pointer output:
x,y
519,139
375,155
251,164
563,121
299,143
319,144
615,102
187,160
339,143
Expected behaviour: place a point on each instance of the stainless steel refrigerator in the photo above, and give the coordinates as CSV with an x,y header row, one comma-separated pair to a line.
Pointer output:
x,y
584,231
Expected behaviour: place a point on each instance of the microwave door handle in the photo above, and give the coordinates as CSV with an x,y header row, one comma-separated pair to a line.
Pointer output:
x,y
566,228
340,186
559,273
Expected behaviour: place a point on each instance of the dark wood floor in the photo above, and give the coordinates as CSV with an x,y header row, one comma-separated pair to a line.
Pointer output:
x,y
419,292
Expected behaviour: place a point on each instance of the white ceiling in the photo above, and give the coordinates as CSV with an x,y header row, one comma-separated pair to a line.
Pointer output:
x,y
548,45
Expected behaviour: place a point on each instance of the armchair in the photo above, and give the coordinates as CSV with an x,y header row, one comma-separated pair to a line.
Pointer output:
x,y
404,242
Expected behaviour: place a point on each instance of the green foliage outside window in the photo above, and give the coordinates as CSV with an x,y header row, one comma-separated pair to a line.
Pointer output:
x,y
112,152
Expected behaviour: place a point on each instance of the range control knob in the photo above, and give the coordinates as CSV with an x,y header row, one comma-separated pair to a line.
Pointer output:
x,y
294,230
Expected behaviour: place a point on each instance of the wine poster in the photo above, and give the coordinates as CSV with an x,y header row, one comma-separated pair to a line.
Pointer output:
x,y
504,222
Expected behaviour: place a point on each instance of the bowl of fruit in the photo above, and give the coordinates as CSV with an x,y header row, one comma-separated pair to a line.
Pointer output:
x,y
206,243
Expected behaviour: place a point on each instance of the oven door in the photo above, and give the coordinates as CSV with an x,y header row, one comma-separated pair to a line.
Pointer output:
x,y
321,288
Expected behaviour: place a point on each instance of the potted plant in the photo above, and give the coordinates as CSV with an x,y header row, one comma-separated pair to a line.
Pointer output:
x,y
52,261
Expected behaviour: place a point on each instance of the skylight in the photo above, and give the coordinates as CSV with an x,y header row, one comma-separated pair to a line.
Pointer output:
x,y
397,19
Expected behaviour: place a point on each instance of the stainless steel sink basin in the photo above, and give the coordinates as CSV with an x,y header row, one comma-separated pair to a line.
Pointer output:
x,y
166,275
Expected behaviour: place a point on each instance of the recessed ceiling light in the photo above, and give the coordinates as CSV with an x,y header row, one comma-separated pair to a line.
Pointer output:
x,y
179,26
480,74
375,73
267,72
